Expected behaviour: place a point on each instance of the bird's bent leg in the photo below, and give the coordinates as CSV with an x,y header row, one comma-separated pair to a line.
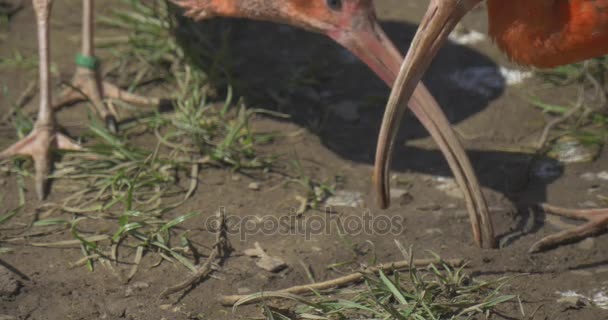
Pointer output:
x,y
38,143
87,83
597,221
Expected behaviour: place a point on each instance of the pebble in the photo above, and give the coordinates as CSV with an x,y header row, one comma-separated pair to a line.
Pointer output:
x,y
398,193
116,309
574,301
344,198
254,186
265,261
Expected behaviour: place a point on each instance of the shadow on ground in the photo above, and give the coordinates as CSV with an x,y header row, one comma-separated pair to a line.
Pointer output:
x,y
307,75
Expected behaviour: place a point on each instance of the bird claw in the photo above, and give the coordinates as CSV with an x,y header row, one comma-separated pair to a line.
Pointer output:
x,y
38,144
597,221
87,85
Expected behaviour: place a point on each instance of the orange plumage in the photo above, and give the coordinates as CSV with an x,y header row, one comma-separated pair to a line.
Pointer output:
x,y
548,33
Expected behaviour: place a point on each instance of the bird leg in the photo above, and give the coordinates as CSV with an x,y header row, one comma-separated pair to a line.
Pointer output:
x,y
37,143
597,221
87,82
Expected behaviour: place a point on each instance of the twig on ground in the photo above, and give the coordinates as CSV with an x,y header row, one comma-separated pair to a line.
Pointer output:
x,y
220,249
579,105
342,281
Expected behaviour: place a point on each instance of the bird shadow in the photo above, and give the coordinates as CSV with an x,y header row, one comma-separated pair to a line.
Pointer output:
x,y
300,73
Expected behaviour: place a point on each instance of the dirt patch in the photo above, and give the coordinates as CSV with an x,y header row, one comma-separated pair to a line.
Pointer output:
x,y
42,283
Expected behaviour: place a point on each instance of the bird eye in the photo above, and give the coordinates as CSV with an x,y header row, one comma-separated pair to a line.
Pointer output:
x,y
334,4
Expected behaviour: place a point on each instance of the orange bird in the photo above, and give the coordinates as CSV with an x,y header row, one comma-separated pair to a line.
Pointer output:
x,y
353,24
540,33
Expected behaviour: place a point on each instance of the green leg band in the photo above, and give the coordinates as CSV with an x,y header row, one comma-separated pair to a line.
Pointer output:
x,y
88,62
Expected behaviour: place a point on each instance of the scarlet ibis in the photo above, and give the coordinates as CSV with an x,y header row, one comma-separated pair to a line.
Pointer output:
x,y
351,23
87,84
531,32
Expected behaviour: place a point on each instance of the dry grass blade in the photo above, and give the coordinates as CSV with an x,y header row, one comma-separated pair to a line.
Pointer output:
x,y
341,281
220,249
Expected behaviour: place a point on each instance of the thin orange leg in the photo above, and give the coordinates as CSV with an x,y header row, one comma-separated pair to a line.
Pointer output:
x,y
87,83
597,221
44,136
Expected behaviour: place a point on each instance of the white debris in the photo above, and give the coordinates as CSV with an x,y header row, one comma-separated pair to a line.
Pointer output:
x,y
513,76
449,187
603,175
466,38
598,298
592,176
569,149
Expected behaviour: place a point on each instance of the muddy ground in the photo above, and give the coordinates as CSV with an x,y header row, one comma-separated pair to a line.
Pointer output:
x,y
38,283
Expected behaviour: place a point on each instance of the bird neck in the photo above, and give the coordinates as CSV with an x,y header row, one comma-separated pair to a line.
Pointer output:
x,y
548,33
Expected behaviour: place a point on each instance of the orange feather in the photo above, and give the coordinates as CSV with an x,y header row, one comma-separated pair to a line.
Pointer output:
x,y
548,33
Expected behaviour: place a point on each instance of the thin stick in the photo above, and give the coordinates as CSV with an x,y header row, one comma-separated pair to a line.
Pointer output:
x,y
342,281
220,248
579,105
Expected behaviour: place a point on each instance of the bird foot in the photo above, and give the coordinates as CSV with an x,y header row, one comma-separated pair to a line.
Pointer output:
x,y
38,144
597,221
87,85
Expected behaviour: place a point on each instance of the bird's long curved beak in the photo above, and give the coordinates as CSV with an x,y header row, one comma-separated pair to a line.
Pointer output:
x,y
369,42
438,22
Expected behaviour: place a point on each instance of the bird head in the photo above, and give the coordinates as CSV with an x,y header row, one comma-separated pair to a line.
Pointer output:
x,y
351,23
